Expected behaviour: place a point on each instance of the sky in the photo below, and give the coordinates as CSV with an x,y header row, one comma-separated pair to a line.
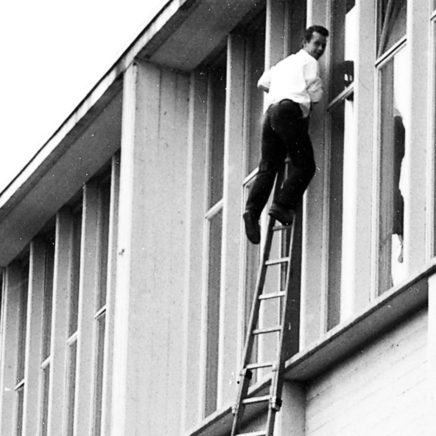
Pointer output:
x,y
52,53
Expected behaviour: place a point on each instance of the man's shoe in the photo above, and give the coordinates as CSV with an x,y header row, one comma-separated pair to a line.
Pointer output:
x,y
252,228
282,214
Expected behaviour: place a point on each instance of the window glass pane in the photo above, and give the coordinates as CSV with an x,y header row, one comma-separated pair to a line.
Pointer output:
x,y
392,23
48,297
104,212
71,388
343,45
21,349
256,66
20,407
216,168
341,119
340,116
75,272
213,309
394,112
22,333
45,393
101,330
104,241
252,259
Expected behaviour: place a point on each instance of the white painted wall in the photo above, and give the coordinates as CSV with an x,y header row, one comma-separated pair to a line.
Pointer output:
x,y
380,391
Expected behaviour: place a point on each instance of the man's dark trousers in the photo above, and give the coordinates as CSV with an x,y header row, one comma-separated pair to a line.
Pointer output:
x,y
284,131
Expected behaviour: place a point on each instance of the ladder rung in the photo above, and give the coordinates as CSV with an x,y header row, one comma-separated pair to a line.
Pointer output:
x,y
277,261
267,330
253,433
260,365
255,400
281,227
272,295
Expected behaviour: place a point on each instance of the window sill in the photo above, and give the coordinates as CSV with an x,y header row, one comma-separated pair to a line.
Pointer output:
x,y
338,344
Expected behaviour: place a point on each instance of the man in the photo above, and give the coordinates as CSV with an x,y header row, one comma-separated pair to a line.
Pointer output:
x,y
293,85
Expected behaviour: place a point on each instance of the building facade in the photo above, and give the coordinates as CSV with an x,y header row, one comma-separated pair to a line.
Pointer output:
x,y
127,278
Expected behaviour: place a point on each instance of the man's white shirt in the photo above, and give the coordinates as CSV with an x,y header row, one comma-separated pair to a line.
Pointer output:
x,y
295,78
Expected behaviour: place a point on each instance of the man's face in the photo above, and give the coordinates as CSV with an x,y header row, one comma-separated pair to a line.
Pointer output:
x,y
316,46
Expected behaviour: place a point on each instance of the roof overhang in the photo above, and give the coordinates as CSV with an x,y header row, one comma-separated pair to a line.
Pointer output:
x,y
180,36
196,30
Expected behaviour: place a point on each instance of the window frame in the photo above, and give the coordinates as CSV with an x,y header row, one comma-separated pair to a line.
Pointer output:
x,y
383,197
213,251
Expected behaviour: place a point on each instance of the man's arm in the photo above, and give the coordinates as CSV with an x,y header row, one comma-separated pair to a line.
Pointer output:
x,y
313,81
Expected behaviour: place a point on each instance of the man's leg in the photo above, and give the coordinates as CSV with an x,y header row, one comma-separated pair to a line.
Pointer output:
x,y
272,155
293,131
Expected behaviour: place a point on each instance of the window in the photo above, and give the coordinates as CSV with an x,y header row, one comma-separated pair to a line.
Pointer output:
x,y
392,20
73,320
393,111
341,119
215,168
101,301
254,97
46,330
21,349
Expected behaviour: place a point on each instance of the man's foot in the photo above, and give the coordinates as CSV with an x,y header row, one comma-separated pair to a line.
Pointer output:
x,y
252,228
282,213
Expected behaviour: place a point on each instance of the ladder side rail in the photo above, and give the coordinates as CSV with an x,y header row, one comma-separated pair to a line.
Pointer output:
x,y
254,313
276,388
246,373
239,407
260,280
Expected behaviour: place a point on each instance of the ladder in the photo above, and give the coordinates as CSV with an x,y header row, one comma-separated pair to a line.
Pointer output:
x,y
282,329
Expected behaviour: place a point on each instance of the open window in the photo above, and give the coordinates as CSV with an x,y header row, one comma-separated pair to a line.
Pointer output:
x,y
341,126
393,112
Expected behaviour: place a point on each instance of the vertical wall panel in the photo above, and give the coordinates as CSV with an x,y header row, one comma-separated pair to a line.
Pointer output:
x,y
358,176
431,332
232,231
9,350
418,22
149,299
291,420
192,361
315,230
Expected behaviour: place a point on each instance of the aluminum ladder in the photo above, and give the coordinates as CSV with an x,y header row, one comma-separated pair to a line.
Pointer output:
x,y
282,329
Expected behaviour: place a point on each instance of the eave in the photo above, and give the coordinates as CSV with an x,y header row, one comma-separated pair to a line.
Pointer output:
x,y
180,36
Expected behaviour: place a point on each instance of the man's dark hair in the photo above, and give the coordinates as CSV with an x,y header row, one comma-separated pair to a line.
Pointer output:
x,y
307,37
